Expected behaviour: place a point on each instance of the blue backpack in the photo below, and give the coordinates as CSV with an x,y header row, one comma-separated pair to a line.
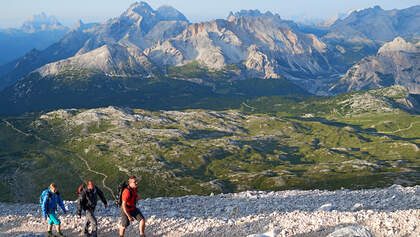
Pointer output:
x,y
41,198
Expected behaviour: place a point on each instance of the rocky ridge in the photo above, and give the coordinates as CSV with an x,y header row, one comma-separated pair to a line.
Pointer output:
x,y
259,42
376,24
396,63
392,211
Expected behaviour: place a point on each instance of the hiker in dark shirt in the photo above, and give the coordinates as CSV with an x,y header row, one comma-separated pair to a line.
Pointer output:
x,y
87,200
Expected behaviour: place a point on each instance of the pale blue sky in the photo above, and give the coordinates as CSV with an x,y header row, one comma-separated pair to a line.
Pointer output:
x,y
14,12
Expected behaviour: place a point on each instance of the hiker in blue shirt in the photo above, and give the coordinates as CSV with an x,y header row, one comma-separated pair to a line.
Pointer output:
x,y
49,200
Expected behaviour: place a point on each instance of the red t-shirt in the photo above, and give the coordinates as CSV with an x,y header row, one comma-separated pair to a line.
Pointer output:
x,y
130,199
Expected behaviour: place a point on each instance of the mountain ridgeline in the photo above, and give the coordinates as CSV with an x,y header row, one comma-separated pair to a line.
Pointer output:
x,y
157,59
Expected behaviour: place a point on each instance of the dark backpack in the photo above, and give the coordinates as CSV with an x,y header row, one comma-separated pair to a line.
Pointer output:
x,y
80,188
121,187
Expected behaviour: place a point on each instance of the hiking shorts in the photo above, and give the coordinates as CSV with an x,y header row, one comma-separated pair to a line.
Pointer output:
x,y
53,219
136,214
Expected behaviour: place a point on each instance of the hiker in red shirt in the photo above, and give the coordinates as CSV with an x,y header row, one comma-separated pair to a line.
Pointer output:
x,y
129,211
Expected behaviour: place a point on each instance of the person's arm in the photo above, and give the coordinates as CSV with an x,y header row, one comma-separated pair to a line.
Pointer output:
x,y
137,197
102,197
44,206
80,200
124,208
60,202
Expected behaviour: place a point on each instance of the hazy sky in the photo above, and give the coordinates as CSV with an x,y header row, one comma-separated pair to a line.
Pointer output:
x,y
14,12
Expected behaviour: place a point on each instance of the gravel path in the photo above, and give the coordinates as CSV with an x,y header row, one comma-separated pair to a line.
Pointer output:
x,y
394,211
64,151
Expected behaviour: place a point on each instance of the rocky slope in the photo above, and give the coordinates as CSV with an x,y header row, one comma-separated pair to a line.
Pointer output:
x,y
266,45
396,63
112,60
362,32
392,211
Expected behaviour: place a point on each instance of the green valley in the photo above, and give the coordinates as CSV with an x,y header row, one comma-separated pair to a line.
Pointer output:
x,y
357,140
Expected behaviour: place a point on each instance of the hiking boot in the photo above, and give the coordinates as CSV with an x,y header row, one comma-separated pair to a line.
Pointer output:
x,y
50,234
60,234
142,235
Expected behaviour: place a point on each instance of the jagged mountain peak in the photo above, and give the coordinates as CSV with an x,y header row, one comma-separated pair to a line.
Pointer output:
x,y
42,18
140,7
139,10
251,13
163,13
398,44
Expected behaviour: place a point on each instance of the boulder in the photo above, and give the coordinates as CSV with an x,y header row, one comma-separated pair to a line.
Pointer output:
x,y
351,231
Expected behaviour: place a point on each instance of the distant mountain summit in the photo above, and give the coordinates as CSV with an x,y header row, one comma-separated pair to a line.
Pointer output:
x,y
377,24
41,22
38,32
251,13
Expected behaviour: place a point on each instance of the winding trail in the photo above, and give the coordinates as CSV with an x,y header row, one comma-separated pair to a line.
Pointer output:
x,y
248,106
399,130
64,151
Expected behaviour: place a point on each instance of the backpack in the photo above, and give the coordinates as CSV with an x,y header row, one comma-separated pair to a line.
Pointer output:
x,y
80,188
41,198
121,188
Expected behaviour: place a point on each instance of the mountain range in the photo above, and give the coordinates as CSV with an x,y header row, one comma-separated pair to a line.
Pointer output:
x,y
144,46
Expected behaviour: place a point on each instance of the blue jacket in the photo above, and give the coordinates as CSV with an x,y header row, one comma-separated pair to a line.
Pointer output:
x,y
50,201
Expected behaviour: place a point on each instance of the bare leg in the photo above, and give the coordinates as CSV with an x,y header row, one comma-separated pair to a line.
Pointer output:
x,y
49,227
58,228
142,225
122,231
